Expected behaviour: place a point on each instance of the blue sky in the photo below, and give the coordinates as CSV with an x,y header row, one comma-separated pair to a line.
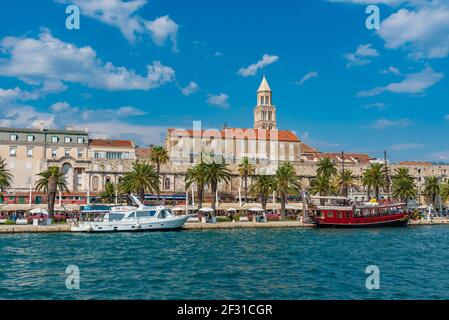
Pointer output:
x,y
135,68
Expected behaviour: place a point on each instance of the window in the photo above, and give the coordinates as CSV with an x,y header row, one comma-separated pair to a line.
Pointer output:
x,y
80,153
54,139
167,183
80,140
54,153
67,152
14,137
95,182
29,152
13,152
67,140
28,180
30,138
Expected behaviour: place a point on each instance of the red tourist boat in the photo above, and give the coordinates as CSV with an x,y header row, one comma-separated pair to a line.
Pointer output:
x,y
349,215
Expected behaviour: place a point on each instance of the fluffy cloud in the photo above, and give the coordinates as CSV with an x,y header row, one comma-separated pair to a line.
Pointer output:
x,y
163,28
252,69
219,100
48,60
60,107
422,28
307,77
140,133
425,30
26,117
191,88
386,123
123,15
391,70
413,83
361,56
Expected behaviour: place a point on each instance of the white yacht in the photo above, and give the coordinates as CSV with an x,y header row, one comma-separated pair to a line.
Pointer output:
x,y
128,218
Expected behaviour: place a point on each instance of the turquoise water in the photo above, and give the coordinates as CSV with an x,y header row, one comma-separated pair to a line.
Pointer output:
x,y
229,264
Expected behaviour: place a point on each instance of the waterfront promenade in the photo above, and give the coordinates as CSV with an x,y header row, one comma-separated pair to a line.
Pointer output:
x,y
200,226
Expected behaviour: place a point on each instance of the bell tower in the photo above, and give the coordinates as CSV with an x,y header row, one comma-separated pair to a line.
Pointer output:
x,y
265,111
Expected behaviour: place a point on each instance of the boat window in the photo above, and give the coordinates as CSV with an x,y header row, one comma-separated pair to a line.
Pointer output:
x,y
143,214
115,216
358,212
330,214
340,215
132,215
348,215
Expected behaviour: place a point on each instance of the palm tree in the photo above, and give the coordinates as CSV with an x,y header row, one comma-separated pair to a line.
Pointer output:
x,y
374,178
404,188
326,167
159,156
195,175
246,169
6,177
322,186
345,181
142,178
402,173
286,182
432,188
445,191
213,174
51,181
108,194
263,186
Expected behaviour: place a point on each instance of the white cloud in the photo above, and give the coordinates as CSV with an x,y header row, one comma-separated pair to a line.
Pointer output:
x,y
163,28
391,70
406,146
60,107
424,31
306,77
191,88
129,111
140,133
386,123
361,56
23,116
48,60
124,15
252,69
376,105
413,83
219,100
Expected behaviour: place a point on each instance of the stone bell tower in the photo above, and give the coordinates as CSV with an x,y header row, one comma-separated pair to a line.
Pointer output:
x,y
265,111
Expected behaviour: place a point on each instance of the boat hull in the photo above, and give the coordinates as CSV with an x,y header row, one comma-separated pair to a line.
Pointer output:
x,y
171,224
381,224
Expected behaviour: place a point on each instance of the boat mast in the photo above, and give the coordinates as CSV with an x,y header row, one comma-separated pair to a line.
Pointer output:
x,y
387,176
342,173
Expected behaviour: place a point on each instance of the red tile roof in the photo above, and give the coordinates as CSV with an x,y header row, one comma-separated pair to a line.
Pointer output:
x,y
111,143
360,157
415,163
306,149
143,153
238,133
